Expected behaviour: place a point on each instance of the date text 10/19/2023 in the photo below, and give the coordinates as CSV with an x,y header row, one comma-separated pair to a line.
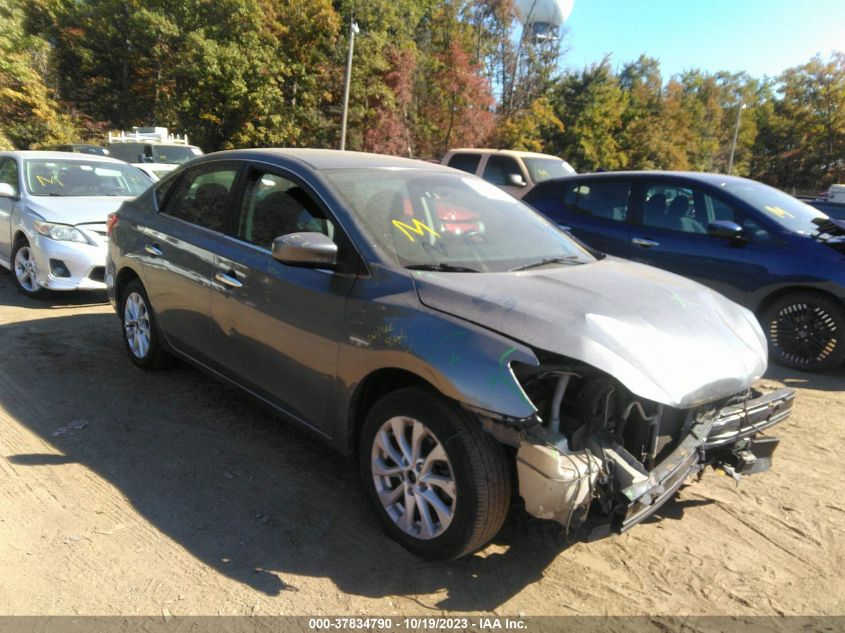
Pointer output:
x,y
416,623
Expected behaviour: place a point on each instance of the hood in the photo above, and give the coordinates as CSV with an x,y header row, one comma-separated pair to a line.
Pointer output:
x,y
75,209
664,337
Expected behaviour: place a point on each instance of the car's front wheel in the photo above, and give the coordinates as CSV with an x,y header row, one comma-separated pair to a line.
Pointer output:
x,y
439,483
140,335
806,331
24,270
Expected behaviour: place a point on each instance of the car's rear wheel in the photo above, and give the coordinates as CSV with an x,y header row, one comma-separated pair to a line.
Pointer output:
x,y
439,483
806,331
24,270
140,334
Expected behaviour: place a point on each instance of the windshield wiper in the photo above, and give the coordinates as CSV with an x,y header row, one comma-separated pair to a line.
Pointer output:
x,y
442,267
569,259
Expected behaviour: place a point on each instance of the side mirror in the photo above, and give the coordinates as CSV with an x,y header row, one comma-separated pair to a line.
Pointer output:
x,y
725,228
313,250
515,180
7,190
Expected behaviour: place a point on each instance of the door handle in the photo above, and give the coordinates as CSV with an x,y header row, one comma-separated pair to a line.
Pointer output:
x,y
638,241
153,250
228,280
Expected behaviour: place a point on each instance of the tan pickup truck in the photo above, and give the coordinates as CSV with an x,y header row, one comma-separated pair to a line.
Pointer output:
x,y
515,172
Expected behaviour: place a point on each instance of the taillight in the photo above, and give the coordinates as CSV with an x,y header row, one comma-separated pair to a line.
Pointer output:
x,y
111,222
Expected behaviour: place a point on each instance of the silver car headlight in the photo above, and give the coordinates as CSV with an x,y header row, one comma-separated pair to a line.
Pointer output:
x,y
61,232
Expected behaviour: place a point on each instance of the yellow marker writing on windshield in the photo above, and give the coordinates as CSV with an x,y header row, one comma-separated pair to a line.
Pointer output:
x,y
781,213
52,180
418,228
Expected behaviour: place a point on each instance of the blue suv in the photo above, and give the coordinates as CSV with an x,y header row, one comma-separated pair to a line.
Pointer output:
x,y
764,249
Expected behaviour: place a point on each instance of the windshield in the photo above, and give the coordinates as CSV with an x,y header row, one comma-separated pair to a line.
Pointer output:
x,y
787,211
541,169
49,177
451,222
175,155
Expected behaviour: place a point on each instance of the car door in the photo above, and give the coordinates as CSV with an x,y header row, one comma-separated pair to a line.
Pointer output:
x,y
278,326
671,232
9,176
178,252
596,211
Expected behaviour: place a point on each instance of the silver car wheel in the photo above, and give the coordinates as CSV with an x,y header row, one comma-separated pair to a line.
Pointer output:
x,y
136,325
413,478
25,269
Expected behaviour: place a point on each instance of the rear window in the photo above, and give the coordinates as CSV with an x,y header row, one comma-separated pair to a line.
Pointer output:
x,y
465,162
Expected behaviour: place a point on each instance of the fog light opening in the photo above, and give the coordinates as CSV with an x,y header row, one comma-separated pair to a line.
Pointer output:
x,y
58,268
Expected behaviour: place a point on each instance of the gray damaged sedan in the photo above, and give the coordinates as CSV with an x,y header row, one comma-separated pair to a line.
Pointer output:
x,y
447,335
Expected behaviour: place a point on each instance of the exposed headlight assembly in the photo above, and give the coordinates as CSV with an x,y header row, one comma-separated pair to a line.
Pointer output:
x,y
61,232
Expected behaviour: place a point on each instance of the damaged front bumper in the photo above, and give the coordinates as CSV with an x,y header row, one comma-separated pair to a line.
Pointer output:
x,y
563,485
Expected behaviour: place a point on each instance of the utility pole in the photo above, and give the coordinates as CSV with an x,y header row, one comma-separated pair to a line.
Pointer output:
x,y
353,30
739,110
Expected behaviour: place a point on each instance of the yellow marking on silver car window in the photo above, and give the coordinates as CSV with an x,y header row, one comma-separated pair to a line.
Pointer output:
x,y
418,228
52,180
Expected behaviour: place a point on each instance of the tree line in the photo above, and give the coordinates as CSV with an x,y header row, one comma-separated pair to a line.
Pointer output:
x,y
428,75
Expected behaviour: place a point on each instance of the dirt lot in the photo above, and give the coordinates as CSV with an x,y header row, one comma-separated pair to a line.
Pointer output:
x,y
125,492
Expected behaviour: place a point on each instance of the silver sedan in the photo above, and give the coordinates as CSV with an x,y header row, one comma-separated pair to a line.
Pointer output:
x,y
53,211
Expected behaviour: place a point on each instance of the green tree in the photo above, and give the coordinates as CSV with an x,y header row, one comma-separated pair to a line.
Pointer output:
x,y
590,105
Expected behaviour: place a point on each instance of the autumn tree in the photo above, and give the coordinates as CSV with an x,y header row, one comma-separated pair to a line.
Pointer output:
x,y
29,110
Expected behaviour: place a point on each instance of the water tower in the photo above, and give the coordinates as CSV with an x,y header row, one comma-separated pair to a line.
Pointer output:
x,y
542,19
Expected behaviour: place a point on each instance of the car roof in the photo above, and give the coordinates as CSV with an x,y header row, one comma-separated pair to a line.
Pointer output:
x,y
47,155
170,166
148,141
328,158
700,176
504,152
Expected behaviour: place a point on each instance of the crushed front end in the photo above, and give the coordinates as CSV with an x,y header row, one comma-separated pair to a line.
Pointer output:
x,y
598,459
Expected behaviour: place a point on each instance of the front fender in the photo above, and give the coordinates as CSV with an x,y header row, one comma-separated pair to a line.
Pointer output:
x,y
463,361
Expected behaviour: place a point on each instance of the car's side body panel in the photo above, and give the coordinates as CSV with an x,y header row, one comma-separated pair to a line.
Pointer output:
x,y
748,272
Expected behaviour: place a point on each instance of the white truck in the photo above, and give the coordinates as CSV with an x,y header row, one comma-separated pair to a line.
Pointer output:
x,y
836,193
152,145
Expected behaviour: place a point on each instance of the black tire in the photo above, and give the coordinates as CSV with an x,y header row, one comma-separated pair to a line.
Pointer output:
x,y
476,462
33,291
806,331
151,356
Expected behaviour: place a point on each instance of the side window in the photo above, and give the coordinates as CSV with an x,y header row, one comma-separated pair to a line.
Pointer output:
x,y
674,208
465,162
162,188
719,210
500,168
608,199
9,172
274,206
202,196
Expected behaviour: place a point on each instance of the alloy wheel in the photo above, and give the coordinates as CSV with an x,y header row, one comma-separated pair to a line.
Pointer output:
x,y
413,477
804,333
25,269
136,325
